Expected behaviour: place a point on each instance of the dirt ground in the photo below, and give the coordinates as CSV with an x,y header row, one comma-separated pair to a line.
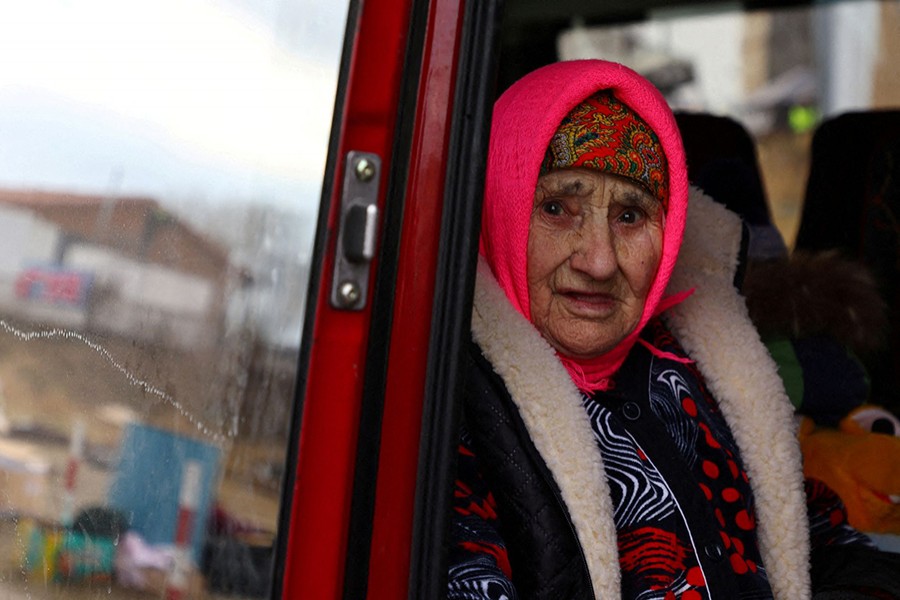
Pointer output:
x,y
49,382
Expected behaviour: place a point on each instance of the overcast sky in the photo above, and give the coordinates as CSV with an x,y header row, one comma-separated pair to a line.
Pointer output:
x,y
218,99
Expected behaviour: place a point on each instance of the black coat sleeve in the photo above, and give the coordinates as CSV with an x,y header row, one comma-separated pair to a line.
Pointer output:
x,y
479,566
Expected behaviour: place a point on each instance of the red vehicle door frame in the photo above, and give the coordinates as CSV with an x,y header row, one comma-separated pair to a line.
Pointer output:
x,y
433,301
315,515
353,364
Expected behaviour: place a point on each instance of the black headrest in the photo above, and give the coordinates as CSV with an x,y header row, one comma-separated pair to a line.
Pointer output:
x,y
842,154
722,161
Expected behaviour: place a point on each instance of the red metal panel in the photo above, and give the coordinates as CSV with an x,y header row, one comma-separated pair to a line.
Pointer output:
x,y
389,563
324,472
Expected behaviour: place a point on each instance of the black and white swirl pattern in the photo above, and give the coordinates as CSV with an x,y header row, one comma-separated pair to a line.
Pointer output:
x,y
638,491
668,389
479,579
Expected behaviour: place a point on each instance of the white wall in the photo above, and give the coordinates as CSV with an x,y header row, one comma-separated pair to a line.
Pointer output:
x,y
25,239
151,301
712,43
847,43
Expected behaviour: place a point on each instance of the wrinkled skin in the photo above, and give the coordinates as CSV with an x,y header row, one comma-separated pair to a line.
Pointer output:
x,y
594,245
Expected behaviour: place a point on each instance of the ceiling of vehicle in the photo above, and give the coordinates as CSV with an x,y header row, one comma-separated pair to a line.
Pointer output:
x,y
593,11
530,27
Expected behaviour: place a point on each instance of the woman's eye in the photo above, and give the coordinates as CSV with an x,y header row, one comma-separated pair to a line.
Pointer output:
x,y
553,208
630,216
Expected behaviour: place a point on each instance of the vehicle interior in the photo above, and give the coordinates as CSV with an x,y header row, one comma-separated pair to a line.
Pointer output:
x,y
767,131
790,122
167,246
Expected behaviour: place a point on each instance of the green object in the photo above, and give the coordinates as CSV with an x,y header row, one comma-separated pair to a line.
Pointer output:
x,y
802,118
782,351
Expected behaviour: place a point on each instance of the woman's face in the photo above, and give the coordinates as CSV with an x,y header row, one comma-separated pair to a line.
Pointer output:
x,y
594,244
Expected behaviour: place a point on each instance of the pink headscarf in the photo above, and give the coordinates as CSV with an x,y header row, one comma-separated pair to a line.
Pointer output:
x,y
525,118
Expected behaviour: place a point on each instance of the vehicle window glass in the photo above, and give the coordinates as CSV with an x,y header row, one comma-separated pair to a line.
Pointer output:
x,y
778,72
161,166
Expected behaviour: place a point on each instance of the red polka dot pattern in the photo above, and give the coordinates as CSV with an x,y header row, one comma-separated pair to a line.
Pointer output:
x,y
730,495
723,487
711,441
695,577
690,407
744,521
738,564
732,466
706,444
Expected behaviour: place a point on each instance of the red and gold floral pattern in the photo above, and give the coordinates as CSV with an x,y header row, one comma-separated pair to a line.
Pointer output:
x,y
604,134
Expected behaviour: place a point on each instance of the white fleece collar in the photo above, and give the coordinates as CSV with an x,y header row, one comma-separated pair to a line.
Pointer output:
x,y
715,330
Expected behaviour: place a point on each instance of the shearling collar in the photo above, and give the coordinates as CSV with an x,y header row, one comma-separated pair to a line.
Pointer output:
x,y
713,327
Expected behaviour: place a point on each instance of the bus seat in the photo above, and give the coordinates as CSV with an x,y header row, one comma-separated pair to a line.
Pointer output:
x,y
722,161
851,205
711,141
880,251
842,151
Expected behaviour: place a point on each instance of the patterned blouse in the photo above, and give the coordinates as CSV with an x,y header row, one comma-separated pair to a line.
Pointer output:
x,y
683,506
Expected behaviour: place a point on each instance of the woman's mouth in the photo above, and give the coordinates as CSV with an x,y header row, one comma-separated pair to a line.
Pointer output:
x,y
589,302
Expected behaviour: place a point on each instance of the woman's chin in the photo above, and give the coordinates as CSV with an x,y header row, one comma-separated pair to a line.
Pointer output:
x,y
586,347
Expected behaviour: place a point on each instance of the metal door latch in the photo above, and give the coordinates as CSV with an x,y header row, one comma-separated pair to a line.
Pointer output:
x,y
358,233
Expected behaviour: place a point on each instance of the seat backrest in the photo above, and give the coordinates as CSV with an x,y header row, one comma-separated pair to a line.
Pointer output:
x,y
722,160
843,148
852,205
880,251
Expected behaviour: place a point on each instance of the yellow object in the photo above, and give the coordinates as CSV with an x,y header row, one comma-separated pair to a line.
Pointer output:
x,y
862,467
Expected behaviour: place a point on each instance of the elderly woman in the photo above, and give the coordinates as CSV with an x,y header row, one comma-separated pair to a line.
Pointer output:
x,y
625,432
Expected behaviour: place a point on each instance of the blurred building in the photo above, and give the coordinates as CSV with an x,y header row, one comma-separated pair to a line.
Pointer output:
x,y
110,265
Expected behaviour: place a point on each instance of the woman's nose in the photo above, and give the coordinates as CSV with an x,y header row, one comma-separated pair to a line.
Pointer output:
x,y
594,253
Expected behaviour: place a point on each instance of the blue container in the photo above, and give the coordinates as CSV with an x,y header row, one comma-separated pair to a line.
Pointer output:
x,y
148,479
